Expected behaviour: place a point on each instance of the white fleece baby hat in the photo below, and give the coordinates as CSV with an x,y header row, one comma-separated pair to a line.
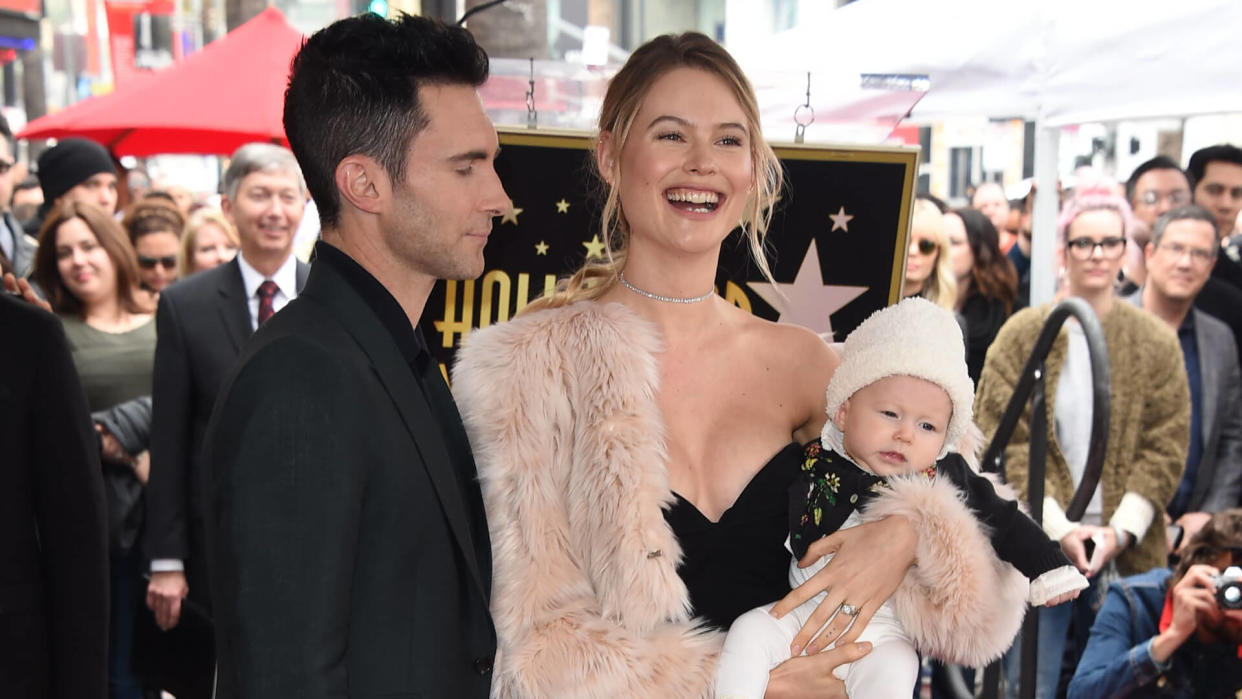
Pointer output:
x,y
913,338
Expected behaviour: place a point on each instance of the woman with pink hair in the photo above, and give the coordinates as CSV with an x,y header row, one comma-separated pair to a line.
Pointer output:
x,y
1149,422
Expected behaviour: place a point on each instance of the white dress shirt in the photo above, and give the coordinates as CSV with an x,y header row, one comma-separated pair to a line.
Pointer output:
x,y
286,279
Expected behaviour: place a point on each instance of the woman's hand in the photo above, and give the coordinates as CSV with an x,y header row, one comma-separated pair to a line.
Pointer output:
x,y
1191,523
811,675
1104,541
870,562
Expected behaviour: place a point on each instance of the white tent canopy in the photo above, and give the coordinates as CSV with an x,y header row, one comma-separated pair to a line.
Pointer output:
x,y
1057,62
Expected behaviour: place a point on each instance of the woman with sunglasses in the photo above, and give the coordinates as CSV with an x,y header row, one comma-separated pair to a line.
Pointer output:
x,y
88,270
1149,422
154,227
929,272
986,281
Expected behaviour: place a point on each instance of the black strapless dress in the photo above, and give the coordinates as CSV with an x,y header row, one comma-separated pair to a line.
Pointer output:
x,y
740,562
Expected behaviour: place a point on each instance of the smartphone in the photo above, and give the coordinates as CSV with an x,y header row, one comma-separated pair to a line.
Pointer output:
x,y
1175,534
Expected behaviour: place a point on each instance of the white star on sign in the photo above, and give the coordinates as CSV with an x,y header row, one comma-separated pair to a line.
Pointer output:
x,y
841,220
811,302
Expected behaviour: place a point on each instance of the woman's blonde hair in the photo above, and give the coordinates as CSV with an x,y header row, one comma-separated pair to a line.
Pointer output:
x,y
624,97
185,256
940,287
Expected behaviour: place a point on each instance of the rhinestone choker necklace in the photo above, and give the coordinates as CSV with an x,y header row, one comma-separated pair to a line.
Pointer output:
x,y
666,299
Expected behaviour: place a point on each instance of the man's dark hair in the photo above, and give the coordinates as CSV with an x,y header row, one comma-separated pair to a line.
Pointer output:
x,y
1225,152
28,182
353,89
1221,534
1160,162
1192,212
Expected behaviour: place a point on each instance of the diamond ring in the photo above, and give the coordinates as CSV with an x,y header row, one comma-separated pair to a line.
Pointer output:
x,y
848,609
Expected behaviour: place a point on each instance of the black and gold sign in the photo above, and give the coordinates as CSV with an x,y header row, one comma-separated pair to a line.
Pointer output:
x,y
837,243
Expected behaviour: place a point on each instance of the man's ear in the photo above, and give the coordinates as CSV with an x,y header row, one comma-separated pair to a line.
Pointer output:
x,y
1148,251
605,155
363,183
226,208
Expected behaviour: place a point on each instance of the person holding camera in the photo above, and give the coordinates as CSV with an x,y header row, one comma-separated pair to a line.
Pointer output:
x,y
1172,633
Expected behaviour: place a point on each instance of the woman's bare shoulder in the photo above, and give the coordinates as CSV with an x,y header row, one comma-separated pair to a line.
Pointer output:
x,y
792,347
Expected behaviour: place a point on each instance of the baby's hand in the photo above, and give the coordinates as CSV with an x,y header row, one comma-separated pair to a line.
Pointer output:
x,y
1056,586
1060,599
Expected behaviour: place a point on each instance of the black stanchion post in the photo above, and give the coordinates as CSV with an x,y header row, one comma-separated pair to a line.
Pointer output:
x,y
1035,492
1031,385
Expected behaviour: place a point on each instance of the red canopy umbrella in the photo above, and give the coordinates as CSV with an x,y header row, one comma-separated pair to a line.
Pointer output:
x,y
231,92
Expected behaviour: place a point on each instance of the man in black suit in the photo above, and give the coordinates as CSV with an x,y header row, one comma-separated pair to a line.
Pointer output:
x,y
350,549
53,528
204,322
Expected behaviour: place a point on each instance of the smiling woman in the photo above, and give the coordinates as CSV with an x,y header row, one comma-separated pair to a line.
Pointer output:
x,y
636,434
1149,423
88,270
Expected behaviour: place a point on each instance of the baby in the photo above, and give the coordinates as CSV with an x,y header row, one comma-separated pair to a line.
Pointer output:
x,y
899,400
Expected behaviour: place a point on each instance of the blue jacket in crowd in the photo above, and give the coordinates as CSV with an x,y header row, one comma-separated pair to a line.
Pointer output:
x,y
1118,662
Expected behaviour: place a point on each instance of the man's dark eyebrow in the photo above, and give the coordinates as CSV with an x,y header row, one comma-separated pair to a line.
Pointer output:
x,y
473,155
682,122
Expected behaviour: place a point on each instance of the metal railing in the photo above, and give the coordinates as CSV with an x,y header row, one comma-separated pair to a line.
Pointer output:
x,y
1031,385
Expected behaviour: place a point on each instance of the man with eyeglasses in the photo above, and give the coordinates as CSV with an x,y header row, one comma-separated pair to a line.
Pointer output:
x,y
1154,187
1165,633
1179,262
17,250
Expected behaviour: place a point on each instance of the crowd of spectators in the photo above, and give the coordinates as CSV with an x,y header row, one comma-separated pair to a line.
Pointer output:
x,y
155,302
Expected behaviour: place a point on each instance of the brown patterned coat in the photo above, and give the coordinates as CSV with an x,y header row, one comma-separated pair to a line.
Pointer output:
x,y
1149,425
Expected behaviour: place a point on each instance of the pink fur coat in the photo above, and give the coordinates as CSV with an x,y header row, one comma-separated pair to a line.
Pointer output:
x,y
560,406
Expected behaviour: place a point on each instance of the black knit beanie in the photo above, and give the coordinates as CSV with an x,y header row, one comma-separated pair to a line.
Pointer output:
x,y
69,163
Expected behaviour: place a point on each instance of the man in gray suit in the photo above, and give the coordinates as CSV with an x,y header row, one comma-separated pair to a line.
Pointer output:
x,y
1180,256
17,250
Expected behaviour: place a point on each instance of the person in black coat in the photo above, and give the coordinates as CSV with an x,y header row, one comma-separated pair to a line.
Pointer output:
x,y
203,323
349,548
53,525
987,283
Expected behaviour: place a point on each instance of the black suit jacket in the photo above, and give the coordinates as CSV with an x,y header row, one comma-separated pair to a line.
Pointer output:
x,y
343,562
53,525
203,323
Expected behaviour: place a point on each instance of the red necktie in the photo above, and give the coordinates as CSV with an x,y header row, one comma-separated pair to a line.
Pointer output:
x,y
267,291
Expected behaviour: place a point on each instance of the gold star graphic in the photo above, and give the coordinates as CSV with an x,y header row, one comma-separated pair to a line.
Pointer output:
x,y
562,206
840,220
595,248
541,248
511,215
